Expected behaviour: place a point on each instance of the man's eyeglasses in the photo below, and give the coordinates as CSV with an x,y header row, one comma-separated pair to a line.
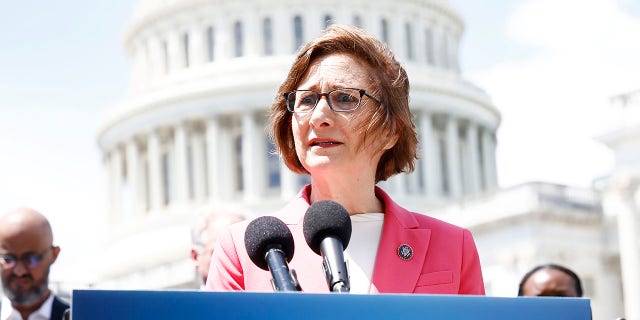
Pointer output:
x,y
9,261
339,100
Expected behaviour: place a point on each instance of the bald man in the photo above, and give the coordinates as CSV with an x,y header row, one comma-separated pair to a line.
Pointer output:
x,y
204,233
550,280
26,254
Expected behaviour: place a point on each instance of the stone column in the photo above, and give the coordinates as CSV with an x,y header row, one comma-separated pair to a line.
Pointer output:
x,y
219,160
137,67
214,168
116,176
154,159
282,33
156,57
494,162
489,160
451,51
253,158
223,33
174,51
181,164
455,59
430,161
313,24
473,160
108,165
252,35
198,42
372,23
397,36
198,171
622,199
420,46
454,176
134,177
288,182
429,54
413,183
438,44
399,185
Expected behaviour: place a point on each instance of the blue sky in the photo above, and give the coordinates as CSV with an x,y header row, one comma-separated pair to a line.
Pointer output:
x,y
550,67
62,64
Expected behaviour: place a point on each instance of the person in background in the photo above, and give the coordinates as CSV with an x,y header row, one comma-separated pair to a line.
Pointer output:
x,y
342,116
550,280
26,255
204,233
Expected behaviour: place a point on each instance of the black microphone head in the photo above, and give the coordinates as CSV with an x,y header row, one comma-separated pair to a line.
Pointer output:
x,y
266,232
326,218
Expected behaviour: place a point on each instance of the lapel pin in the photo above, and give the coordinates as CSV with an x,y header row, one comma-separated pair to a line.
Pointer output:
x,y
405,252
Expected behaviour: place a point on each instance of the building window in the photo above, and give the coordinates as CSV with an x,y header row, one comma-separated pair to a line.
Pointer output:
x,y
428,42
297,33
165,56
237,36
185,47
357,21
384,29
267,36
273,165
408,32
210,43
328,20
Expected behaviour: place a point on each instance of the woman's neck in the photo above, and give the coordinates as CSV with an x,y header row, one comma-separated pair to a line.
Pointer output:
x,y
355,195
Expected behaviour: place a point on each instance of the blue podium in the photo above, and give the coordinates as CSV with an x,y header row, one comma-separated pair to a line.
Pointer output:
x,y
108,304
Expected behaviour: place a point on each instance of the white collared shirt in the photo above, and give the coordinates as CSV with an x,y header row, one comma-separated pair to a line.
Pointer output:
x,y
43,313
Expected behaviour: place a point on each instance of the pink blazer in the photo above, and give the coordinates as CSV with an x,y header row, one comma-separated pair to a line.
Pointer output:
x,y
444,259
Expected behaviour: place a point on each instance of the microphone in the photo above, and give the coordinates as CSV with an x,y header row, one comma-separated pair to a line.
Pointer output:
x,y
270,246
327,230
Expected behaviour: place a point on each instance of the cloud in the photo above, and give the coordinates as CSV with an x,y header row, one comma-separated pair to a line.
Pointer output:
x,y
556,100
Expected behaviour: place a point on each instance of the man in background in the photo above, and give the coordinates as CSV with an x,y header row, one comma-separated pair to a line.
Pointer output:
x,y
204,233
26,254
550,280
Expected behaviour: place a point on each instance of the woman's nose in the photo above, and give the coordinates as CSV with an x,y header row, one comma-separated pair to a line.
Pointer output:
x,y
322,114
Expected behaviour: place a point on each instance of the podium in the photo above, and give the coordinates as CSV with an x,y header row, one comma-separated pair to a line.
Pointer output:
x,y
112,304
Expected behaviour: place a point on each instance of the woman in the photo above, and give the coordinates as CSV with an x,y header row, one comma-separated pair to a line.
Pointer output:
x,y
342,116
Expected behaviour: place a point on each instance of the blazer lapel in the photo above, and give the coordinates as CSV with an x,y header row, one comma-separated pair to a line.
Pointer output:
x,y
392,273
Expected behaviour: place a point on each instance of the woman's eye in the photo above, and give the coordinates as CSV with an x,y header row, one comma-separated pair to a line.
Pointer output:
x,y
308,100
343,97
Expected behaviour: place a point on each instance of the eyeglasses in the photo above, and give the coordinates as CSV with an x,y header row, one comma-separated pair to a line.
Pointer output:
x,y
339,100
9,261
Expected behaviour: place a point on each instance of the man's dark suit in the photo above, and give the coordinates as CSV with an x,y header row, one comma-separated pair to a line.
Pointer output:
x,y
58,309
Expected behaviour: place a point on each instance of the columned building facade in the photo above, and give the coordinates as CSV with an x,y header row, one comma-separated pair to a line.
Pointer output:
x,y
191,130
621,196
191,133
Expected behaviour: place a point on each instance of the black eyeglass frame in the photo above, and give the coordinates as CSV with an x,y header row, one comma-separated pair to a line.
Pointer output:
x,y
30,260
362,93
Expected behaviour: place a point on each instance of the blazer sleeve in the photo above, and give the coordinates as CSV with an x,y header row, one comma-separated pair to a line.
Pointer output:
x,y
225,270
471,281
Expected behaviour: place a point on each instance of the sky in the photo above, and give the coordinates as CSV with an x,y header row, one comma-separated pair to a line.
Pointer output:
x,y
549,66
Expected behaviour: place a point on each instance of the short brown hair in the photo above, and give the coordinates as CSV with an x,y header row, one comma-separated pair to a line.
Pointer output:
x,y
391,117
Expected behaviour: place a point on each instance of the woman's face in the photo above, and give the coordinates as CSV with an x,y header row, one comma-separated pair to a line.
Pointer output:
x,y
327,142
